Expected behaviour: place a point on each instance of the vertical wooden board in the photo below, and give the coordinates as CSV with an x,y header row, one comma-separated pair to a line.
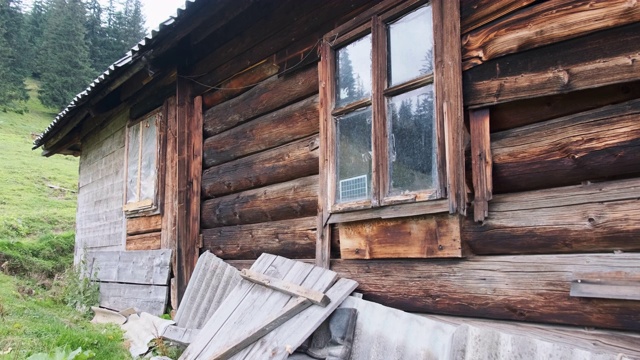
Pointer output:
x,y
147,298
432,236
150,241
481,162
144,224
169,216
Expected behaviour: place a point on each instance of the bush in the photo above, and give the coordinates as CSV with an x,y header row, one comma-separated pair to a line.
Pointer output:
x,y
75,289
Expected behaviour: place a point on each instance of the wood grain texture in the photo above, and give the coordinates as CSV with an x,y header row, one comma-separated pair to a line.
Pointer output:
x,y
169,236
598,143
294,239
134,267
270,95
524,288
144,224
288,200
147,298
316,297
598,217
284,163
475,13
419,237
293,122
148,241
481,162
547,23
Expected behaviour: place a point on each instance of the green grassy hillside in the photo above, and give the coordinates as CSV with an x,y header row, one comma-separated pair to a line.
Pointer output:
x,y
30,203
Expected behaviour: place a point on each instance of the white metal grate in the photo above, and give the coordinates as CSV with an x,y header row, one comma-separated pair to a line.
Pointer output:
x,y
353,188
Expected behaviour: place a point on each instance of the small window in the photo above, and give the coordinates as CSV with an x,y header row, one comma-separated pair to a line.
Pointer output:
x,y
142,164
384,129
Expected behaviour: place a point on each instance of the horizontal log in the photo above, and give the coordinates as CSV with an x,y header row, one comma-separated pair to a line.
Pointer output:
x,y
530,111
524,288
475,13
149,241
284,163
596,144
294,239
289,200
600,59
144,224
270,95
240,83
543,24
599,217
293,122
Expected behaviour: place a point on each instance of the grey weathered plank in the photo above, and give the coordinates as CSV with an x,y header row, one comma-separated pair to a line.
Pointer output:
x,y
315,297
135,267
147,298
180,335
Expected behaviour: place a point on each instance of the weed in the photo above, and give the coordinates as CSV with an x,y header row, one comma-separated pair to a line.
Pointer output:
x,y
74,288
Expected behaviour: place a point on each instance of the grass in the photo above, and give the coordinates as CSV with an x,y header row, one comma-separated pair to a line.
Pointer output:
x,y
37,217
29,207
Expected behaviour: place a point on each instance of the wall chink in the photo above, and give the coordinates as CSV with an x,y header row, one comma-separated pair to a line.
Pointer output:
x,y
483,172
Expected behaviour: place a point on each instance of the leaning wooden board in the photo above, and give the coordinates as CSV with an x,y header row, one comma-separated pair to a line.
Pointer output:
x,y
251,304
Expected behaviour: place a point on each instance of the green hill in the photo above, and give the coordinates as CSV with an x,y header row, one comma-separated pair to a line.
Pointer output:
x,y
37,194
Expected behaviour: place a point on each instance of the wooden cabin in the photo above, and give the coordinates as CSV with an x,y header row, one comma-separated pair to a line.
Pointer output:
x,y
475,158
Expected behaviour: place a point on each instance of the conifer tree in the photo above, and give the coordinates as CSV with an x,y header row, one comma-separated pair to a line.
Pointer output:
x,y
12,68
35,24
67,69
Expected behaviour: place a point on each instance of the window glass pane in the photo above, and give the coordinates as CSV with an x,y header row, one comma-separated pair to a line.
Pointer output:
x,y
354,156
353,72
148,163
412,152
411,46
132,163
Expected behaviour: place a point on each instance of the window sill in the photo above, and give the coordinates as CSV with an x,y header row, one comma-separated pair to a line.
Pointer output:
x,y
390,212
142,208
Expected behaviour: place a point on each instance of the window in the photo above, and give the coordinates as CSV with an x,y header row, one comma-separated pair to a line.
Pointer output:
x,y
384,124
142,164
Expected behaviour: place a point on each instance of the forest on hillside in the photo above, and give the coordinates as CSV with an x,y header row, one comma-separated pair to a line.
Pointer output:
x,y
62,43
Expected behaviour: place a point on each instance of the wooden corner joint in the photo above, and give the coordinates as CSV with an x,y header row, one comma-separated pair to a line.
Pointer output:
x,y
315,297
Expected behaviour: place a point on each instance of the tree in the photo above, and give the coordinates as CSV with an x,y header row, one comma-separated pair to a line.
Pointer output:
x,y
67,69
12,68
36,22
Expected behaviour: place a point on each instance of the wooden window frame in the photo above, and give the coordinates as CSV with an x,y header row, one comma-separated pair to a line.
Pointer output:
x,y
148,206
447,81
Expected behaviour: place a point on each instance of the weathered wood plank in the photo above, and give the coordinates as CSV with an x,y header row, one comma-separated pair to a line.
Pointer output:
x,y
289,238
270,95
481,162
240,83
168,238
595,144
180,335
135,267
419,237
284,163
519,113
475,13
524,288
148,241
288,288
289,200
194,158
599,59
546,23
147,298
586,218
293,122
144,224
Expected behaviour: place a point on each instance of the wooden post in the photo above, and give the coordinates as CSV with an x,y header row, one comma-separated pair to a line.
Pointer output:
x,y
481,162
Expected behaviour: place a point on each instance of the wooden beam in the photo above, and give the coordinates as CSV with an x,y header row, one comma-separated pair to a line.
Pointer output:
x,y
289,200
286,287
476,13
326,102
417,237
144,224
169,211
294,239
277,128
148,241
481,162
531,288
545,23
556,152
601,217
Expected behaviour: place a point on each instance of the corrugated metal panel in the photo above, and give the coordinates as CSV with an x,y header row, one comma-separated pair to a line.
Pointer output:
x,y
211,283
114,69
384,333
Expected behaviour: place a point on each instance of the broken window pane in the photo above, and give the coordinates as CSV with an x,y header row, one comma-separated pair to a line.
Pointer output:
x,y
148,162
412,152
353,156
410,46
132,164
353,72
